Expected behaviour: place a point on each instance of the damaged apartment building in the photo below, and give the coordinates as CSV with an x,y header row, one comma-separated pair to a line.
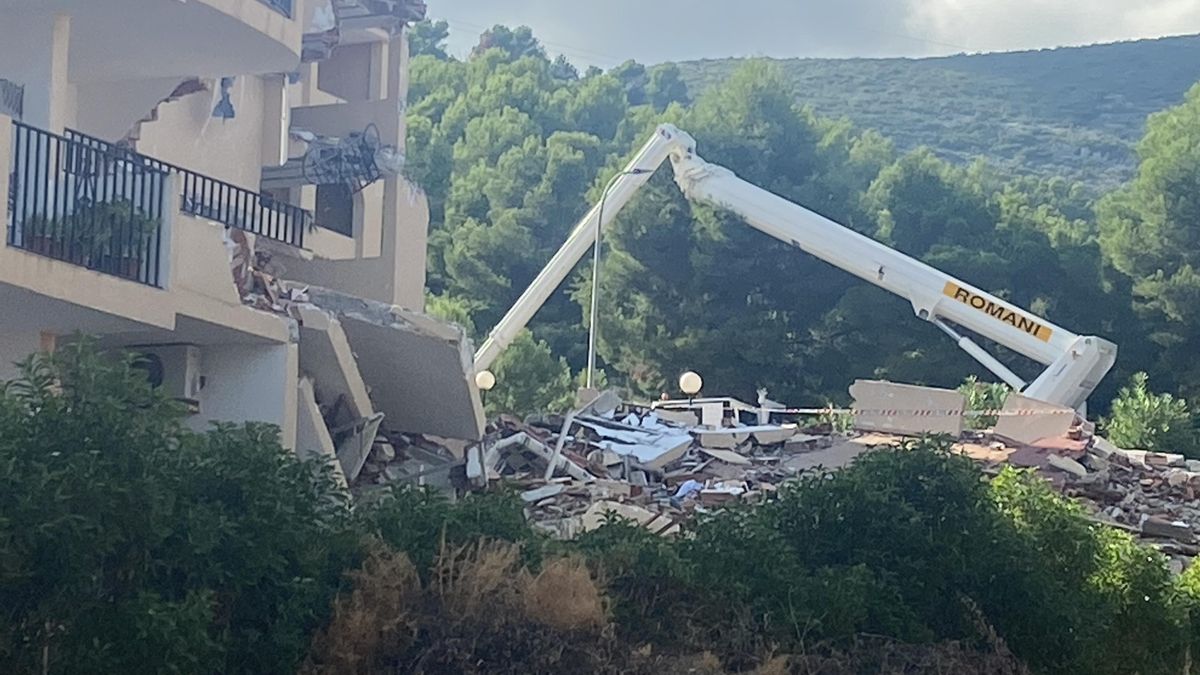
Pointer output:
x,y
217,185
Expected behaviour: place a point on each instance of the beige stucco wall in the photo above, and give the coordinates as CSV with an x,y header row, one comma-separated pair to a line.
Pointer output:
x,y
287,31
108,110
347,73
250,383
306,92
187,134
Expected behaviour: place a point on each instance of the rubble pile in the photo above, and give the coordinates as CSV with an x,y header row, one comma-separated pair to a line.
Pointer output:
x,y
1153,496
636,464
659,466
1156,496
398,457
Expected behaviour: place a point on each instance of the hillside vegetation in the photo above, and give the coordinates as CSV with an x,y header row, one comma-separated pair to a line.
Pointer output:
x,y
513,147
1072,112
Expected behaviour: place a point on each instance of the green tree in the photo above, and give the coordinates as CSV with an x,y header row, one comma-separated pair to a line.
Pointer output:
x,y
920,201
454,309
1141,419
563,69
530,379
1150,232
514,43
513,151
428,38
665,86
633,79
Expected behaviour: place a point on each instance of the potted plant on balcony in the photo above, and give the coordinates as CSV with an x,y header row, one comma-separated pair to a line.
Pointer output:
x,y
116,235
111,237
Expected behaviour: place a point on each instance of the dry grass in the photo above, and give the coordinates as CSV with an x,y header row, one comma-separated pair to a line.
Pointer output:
x,y
884,657
472,582
377,621
482,611
564,596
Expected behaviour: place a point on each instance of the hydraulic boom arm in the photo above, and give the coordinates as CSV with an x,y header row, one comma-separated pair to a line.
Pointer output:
x,y
1075,364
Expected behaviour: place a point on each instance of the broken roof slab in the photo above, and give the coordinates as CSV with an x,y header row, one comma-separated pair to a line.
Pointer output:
x,y
326,355
419,369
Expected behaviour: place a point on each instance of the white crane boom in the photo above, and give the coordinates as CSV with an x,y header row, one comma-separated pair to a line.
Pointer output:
x,y
1075,364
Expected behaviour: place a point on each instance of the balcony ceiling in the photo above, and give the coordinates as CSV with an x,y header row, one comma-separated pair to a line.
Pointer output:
x,y
137,39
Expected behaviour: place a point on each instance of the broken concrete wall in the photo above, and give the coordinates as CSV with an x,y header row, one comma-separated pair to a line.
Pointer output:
x,y
1026,420
419,369
326,356
907,409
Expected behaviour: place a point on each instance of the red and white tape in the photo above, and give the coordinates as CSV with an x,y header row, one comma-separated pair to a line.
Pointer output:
x,y
920,413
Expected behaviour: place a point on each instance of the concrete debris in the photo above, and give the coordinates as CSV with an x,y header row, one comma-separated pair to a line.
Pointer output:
x,y
659,469
396,458
537,495
644,465
1067,464
419,369
1153,496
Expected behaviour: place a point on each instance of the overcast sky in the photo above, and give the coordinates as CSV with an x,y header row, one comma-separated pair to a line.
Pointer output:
x,y
607,32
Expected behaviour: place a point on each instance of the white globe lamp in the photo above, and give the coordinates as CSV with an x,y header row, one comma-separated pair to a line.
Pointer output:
x,y
485,380
690,383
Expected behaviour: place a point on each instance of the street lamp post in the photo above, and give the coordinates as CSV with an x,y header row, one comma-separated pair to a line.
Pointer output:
x,y
595,304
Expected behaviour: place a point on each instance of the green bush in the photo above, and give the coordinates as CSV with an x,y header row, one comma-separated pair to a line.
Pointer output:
x,y
421,522
131,545
912,544
1146,421
983,396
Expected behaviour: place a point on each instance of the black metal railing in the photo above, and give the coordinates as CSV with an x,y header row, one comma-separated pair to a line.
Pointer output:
x,y
81,205
284,7
226,203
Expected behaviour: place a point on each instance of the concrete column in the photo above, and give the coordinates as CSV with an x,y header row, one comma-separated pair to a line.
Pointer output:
x,y
406,210
377,84
62,94
45,39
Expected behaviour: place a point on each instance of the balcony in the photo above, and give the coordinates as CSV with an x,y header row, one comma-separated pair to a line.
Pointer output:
x,y
85,206
206,197
113,40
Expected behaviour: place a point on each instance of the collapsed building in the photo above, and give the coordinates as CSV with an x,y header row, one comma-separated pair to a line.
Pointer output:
x,y
662,464
217,185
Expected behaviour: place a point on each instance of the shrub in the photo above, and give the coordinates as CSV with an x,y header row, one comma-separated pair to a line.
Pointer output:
x,y
132,545
1147,421
909,543
420,522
